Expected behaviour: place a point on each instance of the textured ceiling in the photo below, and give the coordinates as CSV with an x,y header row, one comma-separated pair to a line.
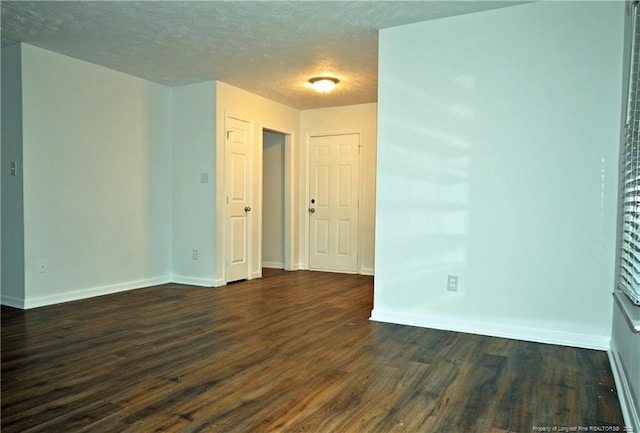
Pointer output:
x,y
268,48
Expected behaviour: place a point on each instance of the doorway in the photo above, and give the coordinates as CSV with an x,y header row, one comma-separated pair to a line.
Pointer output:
x,y
276,190
273,199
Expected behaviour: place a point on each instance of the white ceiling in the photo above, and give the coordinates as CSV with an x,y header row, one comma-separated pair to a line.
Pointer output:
x,y
270,48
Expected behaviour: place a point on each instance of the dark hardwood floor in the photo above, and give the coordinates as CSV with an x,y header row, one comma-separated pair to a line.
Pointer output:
x,y
291,352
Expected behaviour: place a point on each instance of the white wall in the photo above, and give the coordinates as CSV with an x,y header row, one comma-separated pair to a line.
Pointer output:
x,y
497,162
352,118
262,113
97,172
194,202
12,285
124,178
273,200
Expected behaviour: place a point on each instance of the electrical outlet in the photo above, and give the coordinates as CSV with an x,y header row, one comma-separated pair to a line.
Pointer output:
x,y
194,254
452,283
204,178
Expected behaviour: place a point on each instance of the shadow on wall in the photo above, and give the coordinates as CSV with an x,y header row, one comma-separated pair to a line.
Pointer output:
x,y
430,218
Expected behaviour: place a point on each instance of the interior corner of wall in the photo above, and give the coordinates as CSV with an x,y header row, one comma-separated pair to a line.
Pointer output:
x,y
13,302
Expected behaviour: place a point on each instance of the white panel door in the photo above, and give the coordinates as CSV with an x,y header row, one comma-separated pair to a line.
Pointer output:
x,y
333,202
237,181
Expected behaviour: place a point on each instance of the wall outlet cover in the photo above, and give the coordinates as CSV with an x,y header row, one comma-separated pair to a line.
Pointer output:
x,y
452,283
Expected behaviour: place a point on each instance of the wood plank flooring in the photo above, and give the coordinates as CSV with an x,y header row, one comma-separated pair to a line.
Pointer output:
x,y
291,352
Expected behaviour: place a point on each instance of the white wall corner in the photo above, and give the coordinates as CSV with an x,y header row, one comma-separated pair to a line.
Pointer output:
x,y
366,271
11,301
488,328
625,396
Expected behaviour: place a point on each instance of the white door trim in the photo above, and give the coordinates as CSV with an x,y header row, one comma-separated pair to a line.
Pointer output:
x,y
289,191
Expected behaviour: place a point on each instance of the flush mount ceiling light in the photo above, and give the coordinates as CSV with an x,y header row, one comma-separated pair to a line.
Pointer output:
x,y
323,84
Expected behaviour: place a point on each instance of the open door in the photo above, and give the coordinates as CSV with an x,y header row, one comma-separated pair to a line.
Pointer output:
x,y
237,189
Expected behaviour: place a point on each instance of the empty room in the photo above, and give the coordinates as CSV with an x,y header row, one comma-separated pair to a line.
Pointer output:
x,y
320,216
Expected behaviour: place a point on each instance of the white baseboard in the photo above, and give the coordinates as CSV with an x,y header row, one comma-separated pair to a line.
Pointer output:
x,y
256,274
515,332
625,396
273,265
12,301
219,282
76,295
366,271
193,281
301,267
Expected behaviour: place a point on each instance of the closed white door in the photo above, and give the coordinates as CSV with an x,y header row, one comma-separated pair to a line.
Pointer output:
x,y
333,202
237,181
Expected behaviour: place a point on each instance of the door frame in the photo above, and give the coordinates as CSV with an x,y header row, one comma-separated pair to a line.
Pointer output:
x,y
289,192
307,194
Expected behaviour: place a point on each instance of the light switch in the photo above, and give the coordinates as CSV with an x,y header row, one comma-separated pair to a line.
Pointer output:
x,y
14,168
204,178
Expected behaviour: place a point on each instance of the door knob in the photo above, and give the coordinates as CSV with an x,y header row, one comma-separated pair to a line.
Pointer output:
x,y
311,210
247,208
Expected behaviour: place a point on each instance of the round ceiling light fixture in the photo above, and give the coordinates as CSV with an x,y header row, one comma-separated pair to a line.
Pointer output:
x,y
324,84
